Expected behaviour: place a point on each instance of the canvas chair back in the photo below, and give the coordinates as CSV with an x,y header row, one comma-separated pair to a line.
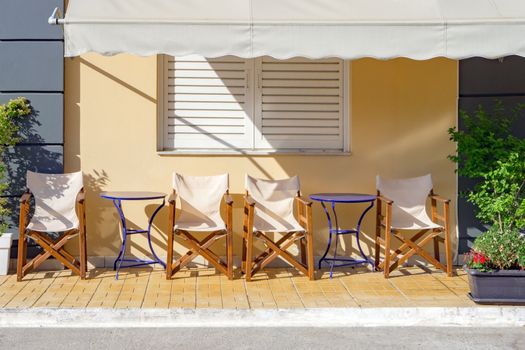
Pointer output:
x,y
409,196
274,203
201,197
55,197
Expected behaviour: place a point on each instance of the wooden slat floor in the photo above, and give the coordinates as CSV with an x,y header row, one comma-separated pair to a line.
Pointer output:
x,y
205,288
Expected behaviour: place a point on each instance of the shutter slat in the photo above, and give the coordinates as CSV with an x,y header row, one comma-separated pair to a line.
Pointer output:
x,y
269,107
204,129
316,99
181,89
206,113
304,91
206,98
301,131
321,123
310,75
202,105
305,67
228,83
207,121
207,66
268,83
226,74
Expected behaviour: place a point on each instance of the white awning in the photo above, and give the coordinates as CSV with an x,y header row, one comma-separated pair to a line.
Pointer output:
x,y
349,29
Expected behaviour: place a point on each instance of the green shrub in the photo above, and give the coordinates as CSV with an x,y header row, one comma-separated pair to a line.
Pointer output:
x,y
10,113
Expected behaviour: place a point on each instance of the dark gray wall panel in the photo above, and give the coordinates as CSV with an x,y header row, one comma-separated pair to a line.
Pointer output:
x,y
480,76
46,125
27,19
20,159
31,66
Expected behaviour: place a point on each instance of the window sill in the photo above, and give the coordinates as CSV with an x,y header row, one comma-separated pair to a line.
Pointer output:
x,y
202,153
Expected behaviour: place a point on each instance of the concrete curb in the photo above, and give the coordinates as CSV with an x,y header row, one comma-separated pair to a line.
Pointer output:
x,y
492,316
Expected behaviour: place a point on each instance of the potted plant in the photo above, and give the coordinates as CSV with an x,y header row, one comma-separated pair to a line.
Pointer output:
x,y
490,154
9,113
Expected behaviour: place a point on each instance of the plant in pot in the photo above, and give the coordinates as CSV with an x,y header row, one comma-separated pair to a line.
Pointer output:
x,y
10,113
489,154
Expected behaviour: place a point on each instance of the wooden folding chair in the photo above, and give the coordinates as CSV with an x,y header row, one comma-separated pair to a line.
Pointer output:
x,y
405,210
59,208
269,209
200,198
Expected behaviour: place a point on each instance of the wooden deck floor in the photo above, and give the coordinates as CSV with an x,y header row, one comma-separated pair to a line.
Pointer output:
x,y
204,288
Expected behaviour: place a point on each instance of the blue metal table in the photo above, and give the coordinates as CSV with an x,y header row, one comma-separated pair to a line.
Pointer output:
x,y
333,226
118,198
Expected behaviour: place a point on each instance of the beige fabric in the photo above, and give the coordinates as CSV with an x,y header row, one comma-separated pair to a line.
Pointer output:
x,y
200,198
55,198
274,202
409,196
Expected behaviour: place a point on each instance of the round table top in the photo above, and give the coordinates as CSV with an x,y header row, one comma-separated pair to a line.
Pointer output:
x,y
343,197
132,195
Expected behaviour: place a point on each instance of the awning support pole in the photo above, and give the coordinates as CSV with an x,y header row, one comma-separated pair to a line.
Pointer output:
x,y
56,18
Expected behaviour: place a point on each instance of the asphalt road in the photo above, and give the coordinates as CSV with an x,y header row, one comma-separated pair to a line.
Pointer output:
x,y
262,338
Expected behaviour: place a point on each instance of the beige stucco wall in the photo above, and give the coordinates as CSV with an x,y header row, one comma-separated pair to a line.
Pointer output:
x,y
400,112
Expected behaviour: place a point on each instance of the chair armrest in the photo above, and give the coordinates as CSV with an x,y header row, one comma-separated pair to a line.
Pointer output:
x,y
303,202
439,198
249,201
385,199
172,198
25,198
228,199
81,197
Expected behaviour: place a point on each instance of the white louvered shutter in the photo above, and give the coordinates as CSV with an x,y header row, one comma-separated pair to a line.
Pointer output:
x,y
209,103
299,104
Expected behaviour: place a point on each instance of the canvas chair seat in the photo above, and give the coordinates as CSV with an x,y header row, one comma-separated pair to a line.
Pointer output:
x,y
409,222
59,208
200,211
200,226
266,222
46,224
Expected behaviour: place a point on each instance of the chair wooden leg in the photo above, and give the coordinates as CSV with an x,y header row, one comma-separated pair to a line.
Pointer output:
x,y
377,248
169,259
436,248
249,256
448,249
386,267
310,254
243,262
229,253
83,255
22,255
302,245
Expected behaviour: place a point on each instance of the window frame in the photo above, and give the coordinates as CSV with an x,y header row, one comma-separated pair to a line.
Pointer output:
x,y
162,122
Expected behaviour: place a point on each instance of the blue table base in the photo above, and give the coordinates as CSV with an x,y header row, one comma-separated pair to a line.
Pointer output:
x,y
118,264
343,261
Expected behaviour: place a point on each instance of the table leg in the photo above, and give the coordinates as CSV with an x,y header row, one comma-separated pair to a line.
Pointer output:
x,y
118,204
358,232
149,233
329,234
